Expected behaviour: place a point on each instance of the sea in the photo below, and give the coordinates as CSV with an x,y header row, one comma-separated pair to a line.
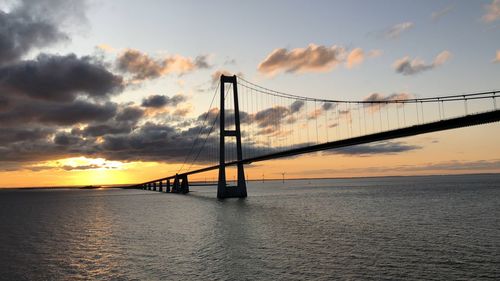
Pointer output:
x,y
386,228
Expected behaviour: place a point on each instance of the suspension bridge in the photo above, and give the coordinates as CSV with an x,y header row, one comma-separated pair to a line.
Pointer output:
x,y
256,124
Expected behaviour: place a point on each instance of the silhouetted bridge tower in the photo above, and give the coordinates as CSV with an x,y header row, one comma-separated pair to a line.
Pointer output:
x,y
278,125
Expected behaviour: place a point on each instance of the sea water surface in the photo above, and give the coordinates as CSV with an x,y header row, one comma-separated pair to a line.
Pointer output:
x,y
400,228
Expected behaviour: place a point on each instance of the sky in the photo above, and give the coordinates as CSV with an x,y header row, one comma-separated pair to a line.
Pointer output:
x,y
113,92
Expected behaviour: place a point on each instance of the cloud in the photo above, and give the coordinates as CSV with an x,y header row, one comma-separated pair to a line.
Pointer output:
x,y
492,11
106,48
229,61
375,53
437,15
142,67
75,163
215,77
182,111
267,120
59,78
104,129
391,97
441,58
129,113
313,58
58,106
328,105
408,66
80,111
36,24
202,62
296,106
271,116
82,167
497,58
376,97
66,139
355,57
384,147
159,101
124,121
450,166
457,166
395,31
15,134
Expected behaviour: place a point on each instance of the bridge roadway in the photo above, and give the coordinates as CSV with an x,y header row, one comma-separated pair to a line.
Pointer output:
x,y
445,124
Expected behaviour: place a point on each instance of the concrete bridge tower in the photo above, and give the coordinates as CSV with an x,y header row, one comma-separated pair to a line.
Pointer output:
x,y
240,190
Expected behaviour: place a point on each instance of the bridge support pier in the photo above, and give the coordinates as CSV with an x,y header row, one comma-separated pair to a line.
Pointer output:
x,y
168,186
181,184
184,185
176,186
240,190
160,186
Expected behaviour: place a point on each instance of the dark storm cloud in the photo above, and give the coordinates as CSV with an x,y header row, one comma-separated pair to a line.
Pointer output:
x,y
36,24
59,78
150,142
124,122
79,112
65,139
163,143
28,111
124,141
104,129
158,101
129,113
4,102
15,134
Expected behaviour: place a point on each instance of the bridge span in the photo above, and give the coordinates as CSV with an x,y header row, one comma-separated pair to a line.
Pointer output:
x,y
342,124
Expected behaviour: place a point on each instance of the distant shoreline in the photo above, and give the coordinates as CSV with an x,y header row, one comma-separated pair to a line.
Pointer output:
x,y
107,186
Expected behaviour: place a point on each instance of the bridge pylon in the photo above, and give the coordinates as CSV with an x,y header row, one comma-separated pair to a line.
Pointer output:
x,y
240,190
